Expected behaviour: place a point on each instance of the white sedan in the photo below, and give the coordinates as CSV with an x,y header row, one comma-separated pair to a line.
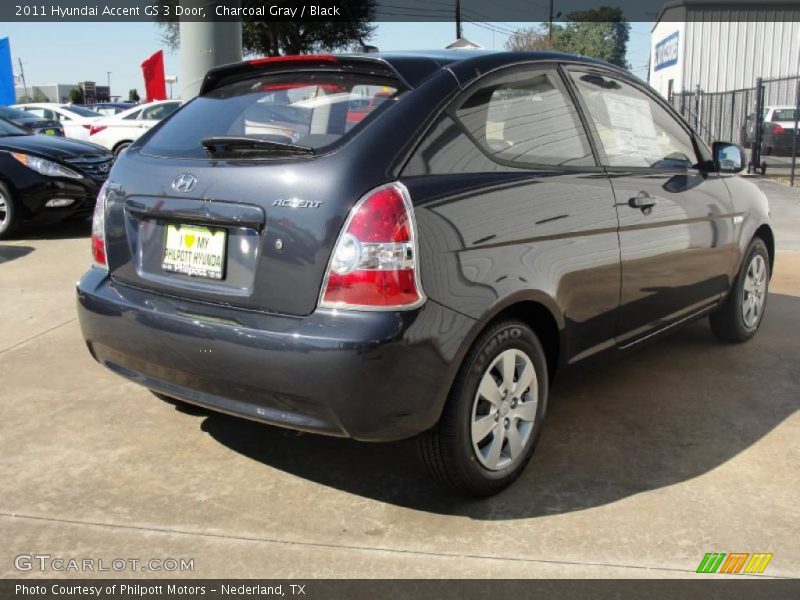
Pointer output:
x,y
76,120
117,132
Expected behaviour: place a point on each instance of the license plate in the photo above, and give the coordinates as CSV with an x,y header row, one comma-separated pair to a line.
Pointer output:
x,y
195,251
49,132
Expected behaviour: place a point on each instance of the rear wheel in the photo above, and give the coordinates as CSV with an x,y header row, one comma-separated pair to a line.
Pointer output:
x,y
493,417
186,407
738,319
120,147
8,215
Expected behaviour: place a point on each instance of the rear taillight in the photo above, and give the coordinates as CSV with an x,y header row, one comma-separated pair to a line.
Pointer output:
x,y
777,129
96,129
374,264
99,229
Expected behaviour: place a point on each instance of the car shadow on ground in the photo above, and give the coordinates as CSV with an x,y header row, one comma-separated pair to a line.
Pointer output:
x,y
667,413
9,253
63,230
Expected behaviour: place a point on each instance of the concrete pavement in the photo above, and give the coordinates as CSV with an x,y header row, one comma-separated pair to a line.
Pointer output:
x,y
645,465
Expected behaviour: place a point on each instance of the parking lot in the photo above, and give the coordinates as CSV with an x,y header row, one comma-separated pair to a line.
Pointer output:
x,y
645,465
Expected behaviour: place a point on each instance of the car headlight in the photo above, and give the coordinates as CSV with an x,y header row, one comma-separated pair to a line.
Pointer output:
x,y
45,167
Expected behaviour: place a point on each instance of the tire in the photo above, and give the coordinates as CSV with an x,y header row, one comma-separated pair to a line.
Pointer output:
x,y
120,147
475,465
733,323
8,213
186,407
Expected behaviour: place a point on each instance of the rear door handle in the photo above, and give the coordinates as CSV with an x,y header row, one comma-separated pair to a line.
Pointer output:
x,y
642,201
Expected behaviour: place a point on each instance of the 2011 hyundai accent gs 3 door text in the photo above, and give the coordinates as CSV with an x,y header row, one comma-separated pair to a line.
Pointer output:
x,y
427,268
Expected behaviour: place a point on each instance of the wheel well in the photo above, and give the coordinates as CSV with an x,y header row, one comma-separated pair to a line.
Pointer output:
x,y
544,325
765,233
120,143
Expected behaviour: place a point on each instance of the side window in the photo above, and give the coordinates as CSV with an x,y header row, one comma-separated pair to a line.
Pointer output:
x,y
158,112
634,129
529,118
133,116
60,116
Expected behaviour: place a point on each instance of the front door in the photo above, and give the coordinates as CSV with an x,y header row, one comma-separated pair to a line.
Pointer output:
x,y
676,222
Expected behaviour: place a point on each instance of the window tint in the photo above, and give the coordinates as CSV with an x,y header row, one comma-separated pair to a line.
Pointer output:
x,y
41,113
133,116
634,129
783,114
79,110
159,111
314,109
529,118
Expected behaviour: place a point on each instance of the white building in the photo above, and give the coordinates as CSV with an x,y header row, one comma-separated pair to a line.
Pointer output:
x,y
49,92
723,45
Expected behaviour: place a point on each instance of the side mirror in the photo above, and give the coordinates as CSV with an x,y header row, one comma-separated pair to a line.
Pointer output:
x,y
729,157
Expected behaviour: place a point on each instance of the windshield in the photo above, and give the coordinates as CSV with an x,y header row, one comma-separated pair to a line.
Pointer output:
x,y
312,110
8,128
14,113
79,110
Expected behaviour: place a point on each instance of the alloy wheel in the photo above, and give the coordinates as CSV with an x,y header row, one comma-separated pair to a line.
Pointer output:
x,y
4,212
504,410
754,291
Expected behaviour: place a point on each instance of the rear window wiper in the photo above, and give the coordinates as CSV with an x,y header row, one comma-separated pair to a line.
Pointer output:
x,y
243,144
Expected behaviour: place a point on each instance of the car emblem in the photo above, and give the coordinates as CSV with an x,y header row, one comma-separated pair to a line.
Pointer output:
x,y
104,168
184,183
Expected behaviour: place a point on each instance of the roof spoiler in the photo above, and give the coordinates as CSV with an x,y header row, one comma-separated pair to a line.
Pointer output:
x,y
365,64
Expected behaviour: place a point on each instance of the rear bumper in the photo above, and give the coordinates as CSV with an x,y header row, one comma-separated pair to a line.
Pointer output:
x,y
366,375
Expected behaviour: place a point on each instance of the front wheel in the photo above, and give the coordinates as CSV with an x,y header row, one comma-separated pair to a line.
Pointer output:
x,y
740,316
8,215
493,416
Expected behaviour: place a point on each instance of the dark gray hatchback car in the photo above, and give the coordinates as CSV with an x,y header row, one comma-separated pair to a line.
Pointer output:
x,y
394,245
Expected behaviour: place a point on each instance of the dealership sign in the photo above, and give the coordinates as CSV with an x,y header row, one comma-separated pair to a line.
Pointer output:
x,y
666,53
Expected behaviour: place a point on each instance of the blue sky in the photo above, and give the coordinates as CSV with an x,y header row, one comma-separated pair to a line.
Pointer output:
x,y
72,52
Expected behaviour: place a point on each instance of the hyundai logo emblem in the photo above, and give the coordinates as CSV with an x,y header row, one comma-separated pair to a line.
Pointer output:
x,y
184,183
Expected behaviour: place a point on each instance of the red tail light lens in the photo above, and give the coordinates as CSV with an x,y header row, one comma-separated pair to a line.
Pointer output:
x,y
99,229
374,264
96,129
777,129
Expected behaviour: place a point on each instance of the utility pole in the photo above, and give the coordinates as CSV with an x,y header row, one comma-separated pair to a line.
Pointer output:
x,y
22,75
108,77
458,19
550,27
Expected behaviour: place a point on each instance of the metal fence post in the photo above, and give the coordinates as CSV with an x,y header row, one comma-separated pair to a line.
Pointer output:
x,y
697,108
794,135
733,113
758,126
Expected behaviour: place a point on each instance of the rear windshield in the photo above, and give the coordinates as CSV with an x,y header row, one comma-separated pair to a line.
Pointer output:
x,y
79,110
783,114
314,110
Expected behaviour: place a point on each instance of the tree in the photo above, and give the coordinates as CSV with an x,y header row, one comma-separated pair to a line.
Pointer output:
x,y
40,96
600,33
76,96
274,38
133,95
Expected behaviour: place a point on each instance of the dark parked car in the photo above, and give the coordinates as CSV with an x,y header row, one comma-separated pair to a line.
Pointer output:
x,y
45,178
428,270
31,122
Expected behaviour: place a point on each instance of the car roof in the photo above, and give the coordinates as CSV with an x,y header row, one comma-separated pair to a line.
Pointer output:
x,y
411,67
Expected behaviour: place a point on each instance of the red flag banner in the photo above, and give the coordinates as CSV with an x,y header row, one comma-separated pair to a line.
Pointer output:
x,y
153,70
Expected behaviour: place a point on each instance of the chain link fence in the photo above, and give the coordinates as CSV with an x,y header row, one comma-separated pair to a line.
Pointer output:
x,y
763,119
